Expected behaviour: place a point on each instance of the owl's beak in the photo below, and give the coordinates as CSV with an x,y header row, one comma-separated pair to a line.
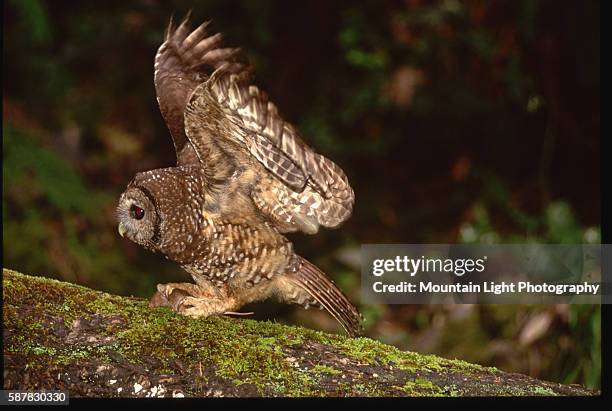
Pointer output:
x,y
121,229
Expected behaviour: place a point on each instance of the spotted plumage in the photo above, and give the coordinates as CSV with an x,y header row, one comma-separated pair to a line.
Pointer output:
x,y
243,177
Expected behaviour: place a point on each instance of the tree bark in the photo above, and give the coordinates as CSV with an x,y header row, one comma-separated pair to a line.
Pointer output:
x,y
63,336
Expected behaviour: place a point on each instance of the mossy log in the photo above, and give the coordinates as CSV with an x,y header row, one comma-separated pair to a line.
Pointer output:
x,y
63,336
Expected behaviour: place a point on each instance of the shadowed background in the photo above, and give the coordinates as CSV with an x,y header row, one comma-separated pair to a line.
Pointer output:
x,y
455,121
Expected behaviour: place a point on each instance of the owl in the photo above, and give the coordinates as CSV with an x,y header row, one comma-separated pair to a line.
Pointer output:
x,y
243,178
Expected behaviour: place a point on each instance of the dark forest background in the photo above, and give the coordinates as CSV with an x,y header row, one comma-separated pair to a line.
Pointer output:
x,y
456,121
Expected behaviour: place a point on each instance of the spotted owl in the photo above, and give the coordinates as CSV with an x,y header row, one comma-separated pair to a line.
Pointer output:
x,y
242,179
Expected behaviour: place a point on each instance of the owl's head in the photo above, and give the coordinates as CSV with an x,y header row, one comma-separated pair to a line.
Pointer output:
x,y
138,217
159,208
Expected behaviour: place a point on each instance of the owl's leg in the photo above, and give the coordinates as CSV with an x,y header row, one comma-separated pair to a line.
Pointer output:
x,y
170,295
194,300
204,307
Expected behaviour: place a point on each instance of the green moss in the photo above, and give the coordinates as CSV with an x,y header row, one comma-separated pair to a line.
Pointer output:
x,y
423,388
324,369
373,352
239,351
538,390
520,390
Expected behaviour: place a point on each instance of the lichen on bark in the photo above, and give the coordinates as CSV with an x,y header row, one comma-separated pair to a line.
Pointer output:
x,y
64,336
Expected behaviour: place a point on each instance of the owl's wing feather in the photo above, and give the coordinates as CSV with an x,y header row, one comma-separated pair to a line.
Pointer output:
x,y
316,191
307,189
183,61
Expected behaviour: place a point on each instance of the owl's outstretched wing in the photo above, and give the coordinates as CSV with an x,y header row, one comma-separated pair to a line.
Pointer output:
x,y
228,118
183,61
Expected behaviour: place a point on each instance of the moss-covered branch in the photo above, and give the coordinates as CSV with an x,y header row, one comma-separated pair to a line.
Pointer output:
x,y
63,336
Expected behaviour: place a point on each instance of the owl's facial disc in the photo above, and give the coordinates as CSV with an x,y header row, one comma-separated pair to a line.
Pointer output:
x,y
136,213
138,218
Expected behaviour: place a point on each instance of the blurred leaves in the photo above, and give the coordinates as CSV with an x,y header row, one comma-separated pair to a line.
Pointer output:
x,y
51,178
585,323
119,140
34,16
536,327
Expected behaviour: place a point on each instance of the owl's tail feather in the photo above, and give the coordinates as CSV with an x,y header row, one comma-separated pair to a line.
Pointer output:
x,y
325,293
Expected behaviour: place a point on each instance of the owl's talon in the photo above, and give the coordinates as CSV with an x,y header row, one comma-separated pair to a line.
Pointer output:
x,y
194,307
194,300
172,295
236,313
158,300
204,307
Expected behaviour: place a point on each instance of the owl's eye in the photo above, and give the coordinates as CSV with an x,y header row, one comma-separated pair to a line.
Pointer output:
x,y
137,212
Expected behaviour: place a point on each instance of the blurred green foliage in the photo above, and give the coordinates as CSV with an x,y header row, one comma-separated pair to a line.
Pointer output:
x,y
456,121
